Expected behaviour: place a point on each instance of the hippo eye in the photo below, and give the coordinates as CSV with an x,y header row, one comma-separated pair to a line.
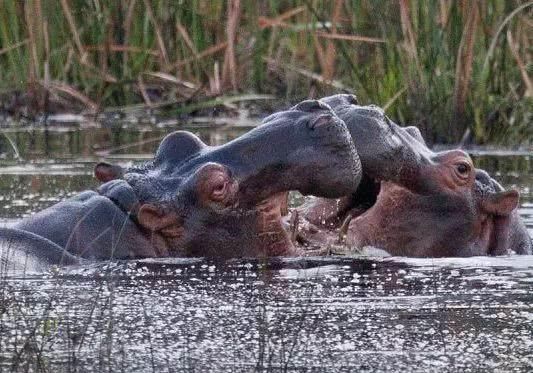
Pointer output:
x,y
463,169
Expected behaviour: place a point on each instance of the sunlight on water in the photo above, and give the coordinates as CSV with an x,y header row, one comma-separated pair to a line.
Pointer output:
x,y
237,316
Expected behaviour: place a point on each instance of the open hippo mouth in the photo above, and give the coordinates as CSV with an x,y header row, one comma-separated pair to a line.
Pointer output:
x,y
227,201
410,196
462,212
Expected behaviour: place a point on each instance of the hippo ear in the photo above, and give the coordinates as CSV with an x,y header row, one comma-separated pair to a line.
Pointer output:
x,y
501,203
155,220
177,146
105,172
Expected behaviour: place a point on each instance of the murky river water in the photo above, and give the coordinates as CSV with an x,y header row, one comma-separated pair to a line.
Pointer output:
x,y
305,315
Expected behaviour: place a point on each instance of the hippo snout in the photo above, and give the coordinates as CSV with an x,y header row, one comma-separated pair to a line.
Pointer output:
x,y
321,121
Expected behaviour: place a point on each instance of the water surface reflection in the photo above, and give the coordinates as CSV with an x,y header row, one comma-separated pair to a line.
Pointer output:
x,y
316,314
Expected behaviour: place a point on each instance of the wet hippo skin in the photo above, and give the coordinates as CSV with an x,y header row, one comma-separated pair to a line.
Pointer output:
x,y
197,200
227,201
91,226
25,251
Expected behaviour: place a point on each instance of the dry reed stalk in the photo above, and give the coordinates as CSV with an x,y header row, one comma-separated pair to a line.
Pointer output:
x,y
105,76
186,38
205,53
330,56
502,25
159,36
214,82
274,64
144,93
171,79
46,37
278,21
121,48
410,40
465,55
229,69
127,31
365,39
34,21
444,12
9,48
273,42
393,99
74,30
189,43
31,25
46,79
320,54
521,66
70,58
64,88
103,56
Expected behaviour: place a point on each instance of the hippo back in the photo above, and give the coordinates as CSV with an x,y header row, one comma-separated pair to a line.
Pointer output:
x,y
25,251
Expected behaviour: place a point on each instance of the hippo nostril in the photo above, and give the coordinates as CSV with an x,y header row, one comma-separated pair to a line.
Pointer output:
x,y
219,191
321,121
482,176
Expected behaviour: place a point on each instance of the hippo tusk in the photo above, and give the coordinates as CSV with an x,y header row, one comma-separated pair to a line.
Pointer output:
x,y
293,225
343,230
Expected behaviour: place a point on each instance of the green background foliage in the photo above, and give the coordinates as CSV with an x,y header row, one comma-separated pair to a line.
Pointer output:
x,y
456,69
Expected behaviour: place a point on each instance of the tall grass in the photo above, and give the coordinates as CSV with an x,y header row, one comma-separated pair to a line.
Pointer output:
x,y
454,68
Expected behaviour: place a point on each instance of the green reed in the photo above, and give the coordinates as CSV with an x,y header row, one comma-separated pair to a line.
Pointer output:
x,y
453,68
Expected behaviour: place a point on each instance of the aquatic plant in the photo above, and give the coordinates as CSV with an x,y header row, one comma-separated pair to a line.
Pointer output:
x,y
458,69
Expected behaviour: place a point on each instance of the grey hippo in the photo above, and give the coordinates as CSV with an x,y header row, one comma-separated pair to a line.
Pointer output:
x,y
197,200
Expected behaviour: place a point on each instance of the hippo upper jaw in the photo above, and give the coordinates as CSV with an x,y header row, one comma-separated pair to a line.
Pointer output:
x,y
387,151
307,149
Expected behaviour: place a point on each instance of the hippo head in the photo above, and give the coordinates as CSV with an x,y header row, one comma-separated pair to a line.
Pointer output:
x,y
388,151
469,214
226,201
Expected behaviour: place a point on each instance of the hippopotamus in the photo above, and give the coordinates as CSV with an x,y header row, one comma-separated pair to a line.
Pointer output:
x,y
198,200
413,201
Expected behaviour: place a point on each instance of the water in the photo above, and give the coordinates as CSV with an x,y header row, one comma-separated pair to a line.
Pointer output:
x,y
304,315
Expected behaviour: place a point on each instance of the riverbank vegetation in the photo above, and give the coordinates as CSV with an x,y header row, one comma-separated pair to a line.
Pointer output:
x,y
460,70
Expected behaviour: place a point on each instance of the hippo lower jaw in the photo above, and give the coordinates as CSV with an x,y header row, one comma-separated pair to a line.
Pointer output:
x,y
408,224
